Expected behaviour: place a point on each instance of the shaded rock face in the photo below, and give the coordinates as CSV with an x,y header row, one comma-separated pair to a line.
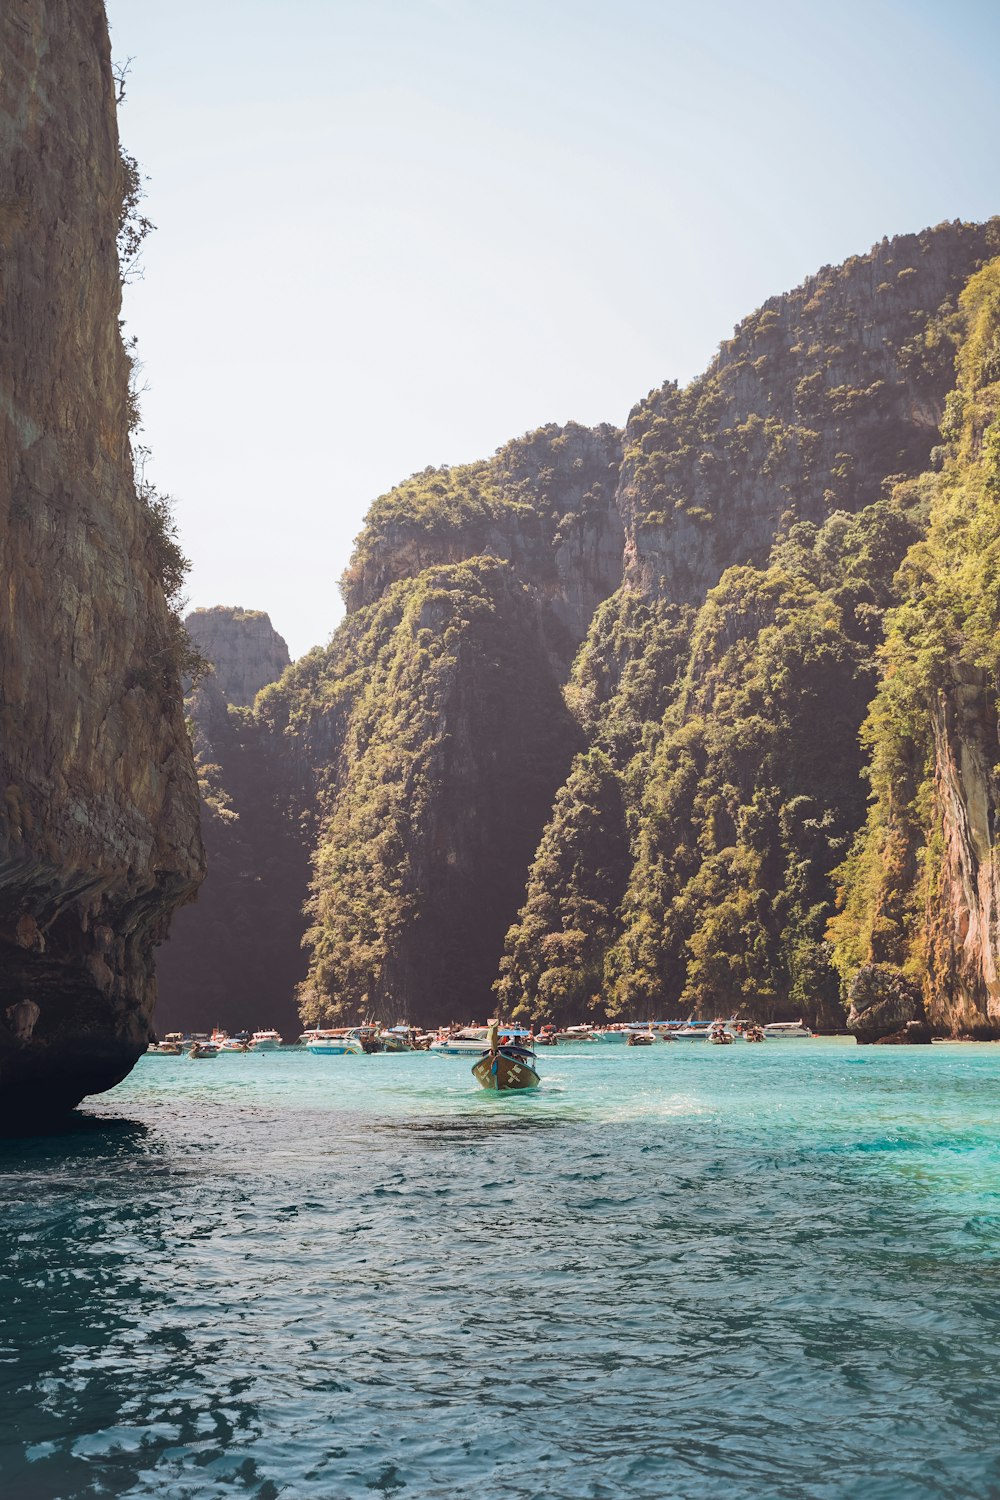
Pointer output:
x,y
819,397
99,837
235,958
243,646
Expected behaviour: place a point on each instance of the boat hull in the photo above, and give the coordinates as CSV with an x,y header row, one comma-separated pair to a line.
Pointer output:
x,y
336,1049
456,1049
504,1073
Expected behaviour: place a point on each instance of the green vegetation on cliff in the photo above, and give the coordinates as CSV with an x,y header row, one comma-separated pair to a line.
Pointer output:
x,y
733,723
452,739
554,963
931,732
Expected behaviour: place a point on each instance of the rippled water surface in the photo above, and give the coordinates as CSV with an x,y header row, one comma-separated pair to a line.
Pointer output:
x,y
680,1273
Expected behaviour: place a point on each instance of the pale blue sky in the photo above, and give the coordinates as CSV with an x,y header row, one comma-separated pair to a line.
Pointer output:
x,y
398,232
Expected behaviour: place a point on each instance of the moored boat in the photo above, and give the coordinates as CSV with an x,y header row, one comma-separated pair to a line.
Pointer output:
x,y
785,1030
719,1036
265,1041
399,1039
576,1034
340,1041
203,1049
470,1041
692,1031
505,1066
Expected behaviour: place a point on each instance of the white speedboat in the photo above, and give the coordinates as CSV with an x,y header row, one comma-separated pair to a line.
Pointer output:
x,y
784,1030
232,1044
469,1042
342,1041
692,1031
265,1041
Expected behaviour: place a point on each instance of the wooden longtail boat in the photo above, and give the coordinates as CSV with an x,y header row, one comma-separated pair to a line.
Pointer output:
x,y
504,1068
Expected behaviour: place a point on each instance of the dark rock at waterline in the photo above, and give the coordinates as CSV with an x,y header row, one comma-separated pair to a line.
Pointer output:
x,y
885,1002
913,1034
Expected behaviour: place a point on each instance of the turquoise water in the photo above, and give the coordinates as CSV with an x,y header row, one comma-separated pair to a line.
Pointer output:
x,y
681,1273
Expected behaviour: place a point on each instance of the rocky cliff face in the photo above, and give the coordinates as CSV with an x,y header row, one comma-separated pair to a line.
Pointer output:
x,y
99,837
244,648
235,958
764,512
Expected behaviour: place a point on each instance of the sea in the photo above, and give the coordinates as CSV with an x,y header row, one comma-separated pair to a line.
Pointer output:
x,y
677,1273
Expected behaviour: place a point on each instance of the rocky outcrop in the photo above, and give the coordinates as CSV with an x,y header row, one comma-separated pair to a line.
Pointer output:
x,y
99,838
243,646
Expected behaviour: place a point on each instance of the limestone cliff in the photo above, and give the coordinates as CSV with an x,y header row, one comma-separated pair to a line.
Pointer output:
x,y
99,837
234,959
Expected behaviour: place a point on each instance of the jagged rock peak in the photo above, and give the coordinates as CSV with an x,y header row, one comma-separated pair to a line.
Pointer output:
x,y
243,647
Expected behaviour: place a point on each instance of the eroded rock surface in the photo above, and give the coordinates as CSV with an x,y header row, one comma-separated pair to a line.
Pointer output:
x,y
99,837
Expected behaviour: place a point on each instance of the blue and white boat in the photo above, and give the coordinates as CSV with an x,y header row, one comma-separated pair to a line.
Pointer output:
x,y
471,1041
342,1042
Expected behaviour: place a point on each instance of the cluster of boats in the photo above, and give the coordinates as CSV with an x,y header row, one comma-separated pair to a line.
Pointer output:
x,y
721,1033
339,1041
504,1055
210,1044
